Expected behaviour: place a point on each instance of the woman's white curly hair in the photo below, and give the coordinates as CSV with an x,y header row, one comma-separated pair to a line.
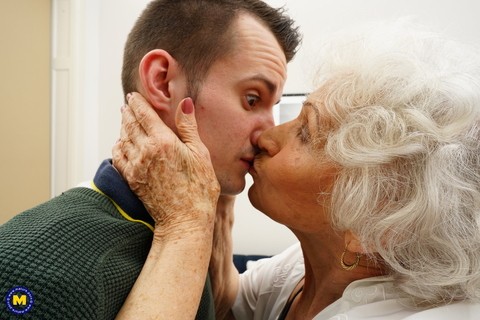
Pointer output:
x,y
403,110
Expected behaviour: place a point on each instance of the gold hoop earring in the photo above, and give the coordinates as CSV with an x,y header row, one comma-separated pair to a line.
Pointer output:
x,y
352,266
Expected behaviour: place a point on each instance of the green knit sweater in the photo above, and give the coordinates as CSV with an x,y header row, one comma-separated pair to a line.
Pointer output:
x,y
77,256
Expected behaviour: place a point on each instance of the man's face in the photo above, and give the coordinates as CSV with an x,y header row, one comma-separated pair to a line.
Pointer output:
x,y
234,103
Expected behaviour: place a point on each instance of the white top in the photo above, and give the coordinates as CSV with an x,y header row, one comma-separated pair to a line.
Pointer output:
x,y
265,287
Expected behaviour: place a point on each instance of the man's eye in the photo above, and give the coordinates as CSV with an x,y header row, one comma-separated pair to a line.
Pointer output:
x,y
252,100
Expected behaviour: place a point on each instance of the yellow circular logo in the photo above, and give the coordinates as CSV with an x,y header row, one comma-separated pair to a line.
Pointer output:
x,y
19,300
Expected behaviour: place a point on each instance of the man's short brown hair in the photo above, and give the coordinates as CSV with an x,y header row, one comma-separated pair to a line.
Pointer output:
x,y
197,33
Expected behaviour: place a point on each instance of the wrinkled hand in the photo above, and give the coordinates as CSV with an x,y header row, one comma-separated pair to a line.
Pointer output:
x,y
173,176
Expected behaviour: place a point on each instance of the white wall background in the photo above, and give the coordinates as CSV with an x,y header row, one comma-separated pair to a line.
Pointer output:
x,y
88,46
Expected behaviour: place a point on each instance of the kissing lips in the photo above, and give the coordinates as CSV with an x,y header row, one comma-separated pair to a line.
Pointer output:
x,y
248,162
252,170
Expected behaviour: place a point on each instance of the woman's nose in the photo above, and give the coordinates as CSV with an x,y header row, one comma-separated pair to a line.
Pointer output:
x,y
269,140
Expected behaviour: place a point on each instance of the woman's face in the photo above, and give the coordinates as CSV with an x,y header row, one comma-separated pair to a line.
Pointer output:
x,y
292,178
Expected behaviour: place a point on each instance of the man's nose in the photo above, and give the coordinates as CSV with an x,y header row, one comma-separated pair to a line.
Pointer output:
x,y
265,122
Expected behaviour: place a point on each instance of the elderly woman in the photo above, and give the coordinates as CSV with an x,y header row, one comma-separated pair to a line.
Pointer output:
x,y
379,179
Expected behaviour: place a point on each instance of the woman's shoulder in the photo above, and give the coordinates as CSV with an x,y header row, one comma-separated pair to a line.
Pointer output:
x,y
376,298
289,257
279,269
458,310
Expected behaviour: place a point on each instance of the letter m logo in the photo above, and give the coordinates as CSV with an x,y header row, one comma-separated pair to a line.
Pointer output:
x,y
19,300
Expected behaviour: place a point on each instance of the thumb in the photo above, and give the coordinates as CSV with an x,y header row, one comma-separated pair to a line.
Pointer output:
x,y
187,124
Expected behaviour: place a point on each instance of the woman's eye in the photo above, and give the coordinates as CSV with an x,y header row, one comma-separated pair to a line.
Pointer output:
x,y
252,100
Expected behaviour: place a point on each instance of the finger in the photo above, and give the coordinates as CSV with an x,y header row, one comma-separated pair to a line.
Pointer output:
x,y
119,160
127,167
187,125
132,135
145,114
130,129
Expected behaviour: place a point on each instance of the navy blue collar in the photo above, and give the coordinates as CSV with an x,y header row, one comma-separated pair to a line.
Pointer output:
x,y
109,181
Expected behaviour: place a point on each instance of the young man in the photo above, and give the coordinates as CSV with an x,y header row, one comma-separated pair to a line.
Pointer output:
x,y
85,248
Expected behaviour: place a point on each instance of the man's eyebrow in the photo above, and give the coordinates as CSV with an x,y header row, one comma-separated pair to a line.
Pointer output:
x,y
272,87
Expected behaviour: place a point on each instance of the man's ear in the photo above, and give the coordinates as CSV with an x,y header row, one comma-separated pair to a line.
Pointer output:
x,y
157,70
353,243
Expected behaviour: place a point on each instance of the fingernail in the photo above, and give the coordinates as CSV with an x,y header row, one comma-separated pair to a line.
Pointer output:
x,y
129,95
187,106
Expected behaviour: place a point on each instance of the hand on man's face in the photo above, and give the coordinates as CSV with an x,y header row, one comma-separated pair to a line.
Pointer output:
x,y
172,175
